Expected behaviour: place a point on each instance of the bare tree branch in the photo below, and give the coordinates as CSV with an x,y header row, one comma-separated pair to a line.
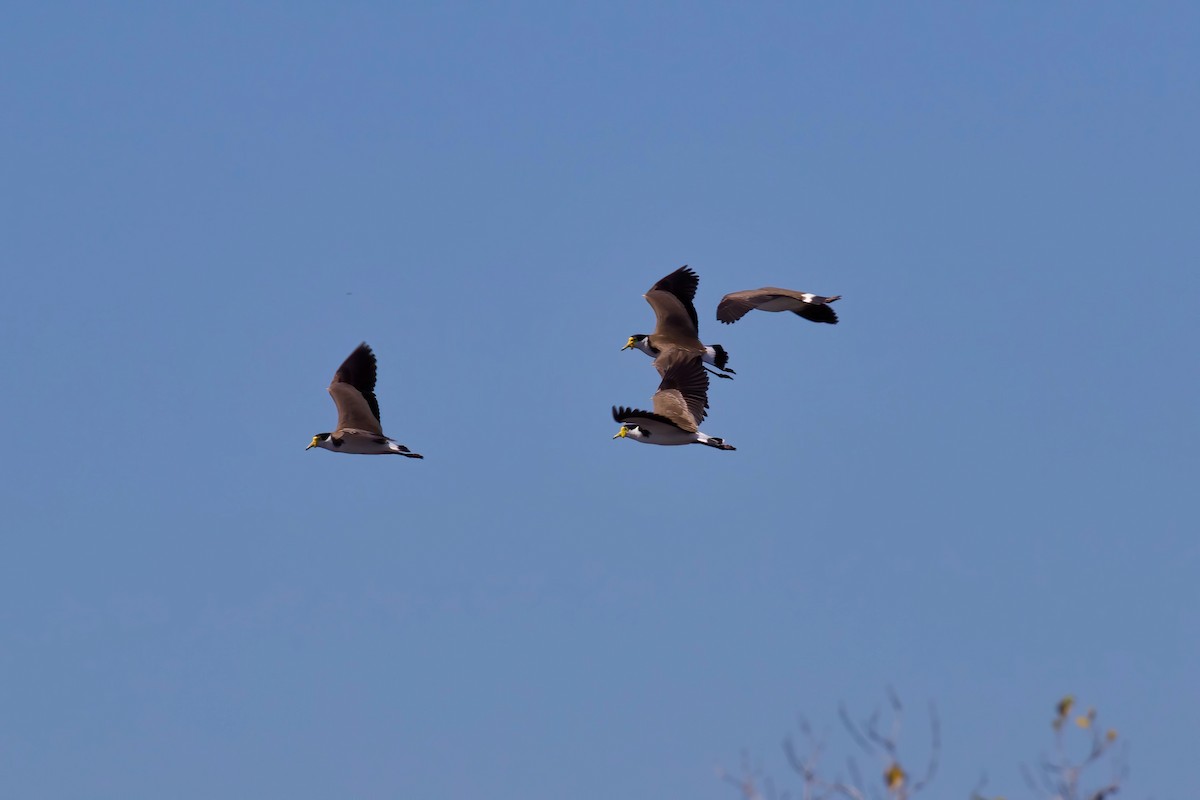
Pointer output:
x,y
1057,776
859,739
935,749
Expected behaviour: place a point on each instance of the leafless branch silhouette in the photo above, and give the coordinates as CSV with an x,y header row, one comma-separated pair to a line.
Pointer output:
x,y
1058,775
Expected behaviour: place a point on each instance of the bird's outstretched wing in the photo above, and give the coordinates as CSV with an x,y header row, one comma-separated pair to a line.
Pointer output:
x,y
682,283
353,391
682,397
736,305
635,416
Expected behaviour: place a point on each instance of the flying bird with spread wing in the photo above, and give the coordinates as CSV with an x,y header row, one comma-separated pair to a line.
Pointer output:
x,y
679,406
812,307
676,327
358,429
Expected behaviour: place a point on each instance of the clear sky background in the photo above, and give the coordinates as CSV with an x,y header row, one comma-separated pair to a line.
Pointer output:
x,y
980,488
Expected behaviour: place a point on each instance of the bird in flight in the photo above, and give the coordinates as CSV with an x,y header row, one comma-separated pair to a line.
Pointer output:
x,y
679,406
812,307
676,326
358,429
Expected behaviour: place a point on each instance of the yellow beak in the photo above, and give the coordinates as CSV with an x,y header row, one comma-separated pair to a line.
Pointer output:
x,y
628,344
621,433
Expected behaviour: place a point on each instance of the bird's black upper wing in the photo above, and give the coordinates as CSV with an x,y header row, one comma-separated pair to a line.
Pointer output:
x,y
682,283
357,371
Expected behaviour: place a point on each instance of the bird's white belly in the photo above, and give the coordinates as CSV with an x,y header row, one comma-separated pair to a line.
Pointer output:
x,y
364,445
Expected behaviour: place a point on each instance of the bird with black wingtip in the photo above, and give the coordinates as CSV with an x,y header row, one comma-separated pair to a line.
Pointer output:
x,y
812,307
676,324
682,398
679,407
358,429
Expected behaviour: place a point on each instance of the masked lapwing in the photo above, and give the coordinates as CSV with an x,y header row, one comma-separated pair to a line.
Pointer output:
x,y
676,325
679,407
358,429
812,307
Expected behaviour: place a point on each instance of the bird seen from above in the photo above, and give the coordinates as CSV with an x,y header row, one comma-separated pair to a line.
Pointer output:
x,y
679,406
358,429
812,307
676,325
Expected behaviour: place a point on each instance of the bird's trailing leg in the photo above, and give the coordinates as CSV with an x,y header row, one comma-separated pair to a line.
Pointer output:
x,y
722,374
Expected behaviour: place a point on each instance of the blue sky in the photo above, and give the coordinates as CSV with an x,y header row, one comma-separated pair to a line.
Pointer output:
x,y
979,488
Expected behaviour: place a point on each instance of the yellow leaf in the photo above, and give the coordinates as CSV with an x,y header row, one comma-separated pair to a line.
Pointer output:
x,y
894,776
1111,735
1083,722
1064,705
